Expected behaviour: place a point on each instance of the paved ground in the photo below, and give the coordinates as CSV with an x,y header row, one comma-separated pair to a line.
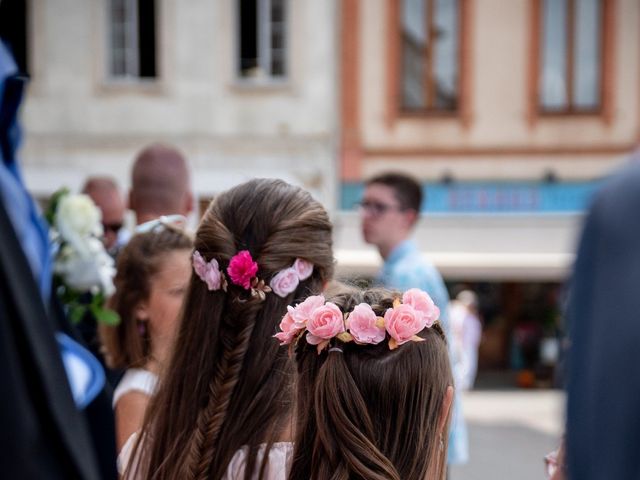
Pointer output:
x,y
509,432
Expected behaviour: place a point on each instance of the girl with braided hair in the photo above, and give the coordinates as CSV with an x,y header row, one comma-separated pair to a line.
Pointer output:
x,y
374,386
224,406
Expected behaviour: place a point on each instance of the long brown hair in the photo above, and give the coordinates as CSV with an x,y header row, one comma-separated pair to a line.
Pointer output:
x,y
126,345
368,412
229,384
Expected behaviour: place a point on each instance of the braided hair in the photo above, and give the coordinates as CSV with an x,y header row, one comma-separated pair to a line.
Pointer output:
x,y
229,385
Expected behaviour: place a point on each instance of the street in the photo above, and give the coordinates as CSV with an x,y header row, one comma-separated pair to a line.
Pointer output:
x,y
510,431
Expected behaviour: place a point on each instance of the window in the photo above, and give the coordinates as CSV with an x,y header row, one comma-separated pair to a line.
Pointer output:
x,y
262,42
132,34
13,30
430,60
571,46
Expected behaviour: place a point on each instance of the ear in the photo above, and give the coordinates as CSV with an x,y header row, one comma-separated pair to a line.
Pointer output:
x,y
188,203
412,217
141,312
446,406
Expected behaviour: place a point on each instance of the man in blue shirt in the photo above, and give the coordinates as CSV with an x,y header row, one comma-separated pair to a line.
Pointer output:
x,y
389,209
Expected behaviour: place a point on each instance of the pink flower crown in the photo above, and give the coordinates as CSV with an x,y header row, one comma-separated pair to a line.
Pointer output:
x,y
242,271
324,321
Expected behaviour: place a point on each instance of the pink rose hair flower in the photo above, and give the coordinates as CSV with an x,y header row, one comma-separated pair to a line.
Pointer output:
x,y
242,269
286,281
403,322
422,302
208,272
296,318
325,323
302,312
364,326
303,268
288,329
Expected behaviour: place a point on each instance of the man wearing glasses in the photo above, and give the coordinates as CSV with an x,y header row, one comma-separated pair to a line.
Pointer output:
x,y
106,195
389,210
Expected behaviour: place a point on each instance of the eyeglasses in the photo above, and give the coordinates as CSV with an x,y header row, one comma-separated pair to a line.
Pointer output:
x,y
551,464
157,224
377,209
112,227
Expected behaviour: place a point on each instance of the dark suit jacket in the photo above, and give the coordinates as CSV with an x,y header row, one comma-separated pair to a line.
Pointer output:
x,y
603,414
42,434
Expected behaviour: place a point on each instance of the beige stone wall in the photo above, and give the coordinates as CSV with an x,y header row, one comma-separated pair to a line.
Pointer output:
x,y
79,123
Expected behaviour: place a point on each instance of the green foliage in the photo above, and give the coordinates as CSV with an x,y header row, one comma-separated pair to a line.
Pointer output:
x,y
50,212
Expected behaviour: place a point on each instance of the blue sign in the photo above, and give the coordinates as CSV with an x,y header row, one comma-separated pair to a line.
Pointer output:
x,y
493,197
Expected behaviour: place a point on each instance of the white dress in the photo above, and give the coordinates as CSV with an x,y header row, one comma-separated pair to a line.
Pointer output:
x,y
138,380
134,380
280,457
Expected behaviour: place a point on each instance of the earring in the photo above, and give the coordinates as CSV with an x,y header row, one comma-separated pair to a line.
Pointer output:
x,y
142,328
441,443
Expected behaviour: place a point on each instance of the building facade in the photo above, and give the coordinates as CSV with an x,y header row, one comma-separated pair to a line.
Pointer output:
x,y
244,88
510,112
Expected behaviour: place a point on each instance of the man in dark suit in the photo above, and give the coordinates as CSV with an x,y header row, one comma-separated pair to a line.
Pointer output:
x,y
603,412
51,424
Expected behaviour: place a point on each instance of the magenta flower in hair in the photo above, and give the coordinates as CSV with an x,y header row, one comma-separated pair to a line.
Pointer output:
x,y
242,269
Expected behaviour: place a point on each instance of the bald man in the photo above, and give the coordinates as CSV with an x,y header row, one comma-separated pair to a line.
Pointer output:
x,y
160,184
106,195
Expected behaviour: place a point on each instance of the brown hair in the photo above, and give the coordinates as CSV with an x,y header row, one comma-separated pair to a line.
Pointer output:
x,y
369,412
229,384
407,189
142,258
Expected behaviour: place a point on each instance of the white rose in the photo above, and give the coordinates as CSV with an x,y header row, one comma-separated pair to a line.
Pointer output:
x,y
90,269
77,217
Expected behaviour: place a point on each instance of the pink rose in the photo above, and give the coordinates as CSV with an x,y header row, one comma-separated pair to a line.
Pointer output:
x,y
284,282
209,272
288,330
403,322
325,323
422,303
242,269
302,312
362,325
303,268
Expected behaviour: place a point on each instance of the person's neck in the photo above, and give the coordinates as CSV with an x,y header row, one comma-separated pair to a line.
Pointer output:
x,y
387,250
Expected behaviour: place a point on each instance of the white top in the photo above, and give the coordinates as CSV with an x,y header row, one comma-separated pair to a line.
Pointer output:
x,y
136,379
280,457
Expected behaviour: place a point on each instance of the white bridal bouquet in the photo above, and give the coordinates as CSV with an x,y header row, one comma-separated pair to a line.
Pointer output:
x,y
83,270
